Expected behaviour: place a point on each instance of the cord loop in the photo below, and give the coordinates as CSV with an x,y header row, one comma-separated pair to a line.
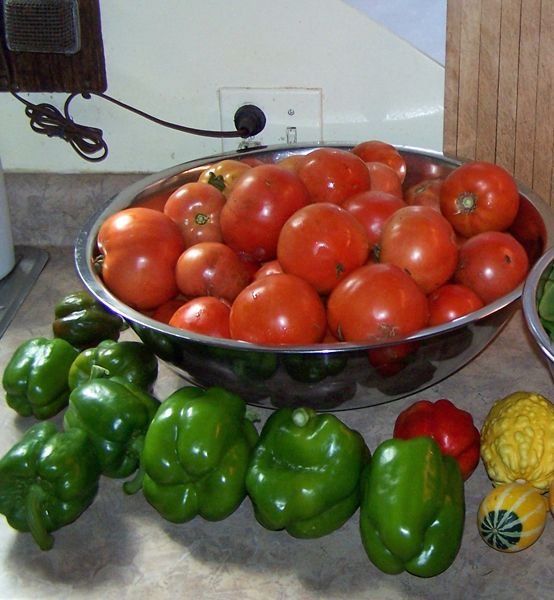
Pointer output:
x,y
88,141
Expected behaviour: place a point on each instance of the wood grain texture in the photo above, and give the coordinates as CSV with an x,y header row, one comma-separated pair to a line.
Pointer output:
x,y
544,133
485,146
527,84
499,87
468,86
453,30
506,97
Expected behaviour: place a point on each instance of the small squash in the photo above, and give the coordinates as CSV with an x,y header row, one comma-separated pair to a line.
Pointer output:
x,y
517,440
512,516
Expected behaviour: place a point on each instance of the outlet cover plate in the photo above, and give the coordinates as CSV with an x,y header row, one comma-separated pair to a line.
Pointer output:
x,y
293,115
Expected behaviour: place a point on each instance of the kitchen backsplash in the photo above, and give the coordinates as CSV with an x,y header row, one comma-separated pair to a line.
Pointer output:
x,y
50,209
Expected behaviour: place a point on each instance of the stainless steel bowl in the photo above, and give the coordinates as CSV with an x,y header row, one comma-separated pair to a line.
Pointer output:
x,y
530,310
337,377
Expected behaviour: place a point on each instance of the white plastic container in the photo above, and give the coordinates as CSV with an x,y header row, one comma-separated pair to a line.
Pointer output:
x,y
7,255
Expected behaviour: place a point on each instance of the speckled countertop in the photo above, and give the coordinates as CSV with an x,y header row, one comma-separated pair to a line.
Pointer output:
x,y
121,548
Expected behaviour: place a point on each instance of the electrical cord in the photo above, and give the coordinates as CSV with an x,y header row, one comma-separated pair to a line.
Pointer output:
x,y
88,142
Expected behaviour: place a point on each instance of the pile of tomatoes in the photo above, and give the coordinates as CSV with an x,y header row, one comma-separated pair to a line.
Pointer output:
x,y
320,247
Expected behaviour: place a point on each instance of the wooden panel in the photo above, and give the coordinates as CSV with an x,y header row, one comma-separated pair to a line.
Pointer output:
x,y
499,95
508,60
485,145
527,88
468,87
544,134
42,72
453,30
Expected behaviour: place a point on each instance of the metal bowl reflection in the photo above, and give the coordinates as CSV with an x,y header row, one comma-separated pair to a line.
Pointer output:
x,y
530,297
327,377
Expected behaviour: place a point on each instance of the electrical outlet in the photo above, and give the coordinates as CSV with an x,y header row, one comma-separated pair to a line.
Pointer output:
x,y
292,115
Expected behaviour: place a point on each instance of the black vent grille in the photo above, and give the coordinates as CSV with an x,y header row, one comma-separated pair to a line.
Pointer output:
x,y
49,26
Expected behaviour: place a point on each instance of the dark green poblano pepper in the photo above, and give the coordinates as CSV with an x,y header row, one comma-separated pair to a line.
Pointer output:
x,y
304,475
196,453
47,480
35,378
83,322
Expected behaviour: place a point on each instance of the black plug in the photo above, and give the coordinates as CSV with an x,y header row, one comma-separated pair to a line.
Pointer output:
x,y
249,120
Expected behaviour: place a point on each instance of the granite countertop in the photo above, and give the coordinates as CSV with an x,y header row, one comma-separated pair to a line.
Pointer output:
x,y
121,548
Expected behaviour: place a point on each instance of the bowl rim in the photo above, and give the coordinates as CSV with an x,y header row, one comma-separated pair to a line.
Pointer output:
x,y
529,303
155,182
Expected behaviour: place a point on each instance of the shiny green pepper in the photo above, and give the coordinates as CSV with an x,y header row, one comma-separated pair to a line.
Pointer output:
x,y
412,509
82,321
47,480
196,453
132,361
35,378
115,414
545,301
305,471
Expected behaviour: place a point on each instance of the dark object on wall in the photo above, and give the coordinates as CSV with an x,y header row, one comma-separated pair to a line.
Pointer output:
x,y
51,46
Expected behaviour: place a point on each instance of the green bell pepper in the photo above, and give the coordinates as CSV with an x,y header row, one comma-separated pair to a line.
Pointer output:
x,y
305,471
196,453
115,414
545,301
412,509
82,321
47,480
35,378
132,361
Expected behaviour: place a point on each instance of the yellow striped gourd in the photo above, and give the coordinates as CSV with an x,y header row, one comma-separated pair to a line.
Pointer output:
x,y
512,516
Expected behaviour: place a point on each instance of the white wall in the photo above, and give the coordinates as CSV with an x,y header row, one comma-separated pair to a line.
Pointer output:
x,y
421,22
171,57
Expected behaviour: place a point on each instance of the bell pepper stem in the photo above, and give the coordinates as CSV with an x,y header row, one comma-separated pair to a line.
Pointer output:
x,y
300,416
97,372
132,486
252,415
33,501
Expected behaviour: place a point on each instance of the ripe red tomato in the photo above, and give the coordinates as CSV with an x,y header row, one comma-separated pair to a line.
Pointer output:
x,y
333,175
422,242
165,311
492,264
450,301
195,207
479,196
424,193
224,174
378,151
211,269
252,161
206,315
271,267
140,248
372,208
384,178
260,203
278,309
293,162
376,303
322,243
156,201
